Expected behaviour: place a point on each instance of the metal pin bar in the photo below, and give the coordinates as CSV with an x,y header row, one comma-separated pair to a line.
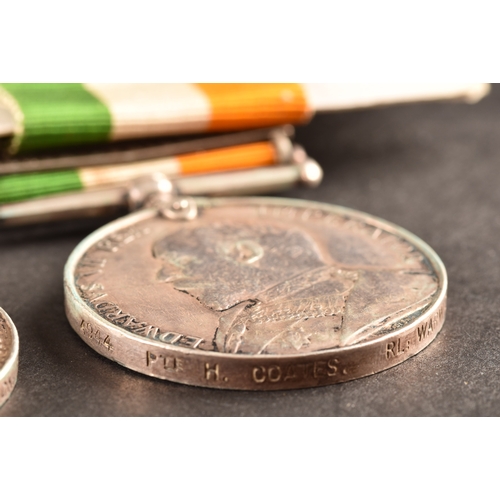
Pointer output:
x,y
149,152
114,200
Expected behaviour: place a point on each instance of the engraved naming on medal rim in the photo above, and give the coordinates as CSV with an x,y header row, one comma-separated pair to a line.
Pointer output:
x,y
256,294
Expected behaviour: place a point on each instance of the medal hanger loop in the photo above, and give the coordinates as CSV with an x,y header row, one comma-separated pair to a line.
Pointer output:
x,y
157,191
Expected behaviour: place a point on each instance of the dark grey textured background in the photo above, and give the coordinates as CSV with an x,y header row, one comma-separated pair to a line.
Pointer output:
x,y
431,168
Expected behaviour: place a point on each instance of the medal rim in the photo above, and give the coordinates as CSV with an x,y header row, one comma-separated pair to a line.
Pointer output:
x,y
74,301
10,367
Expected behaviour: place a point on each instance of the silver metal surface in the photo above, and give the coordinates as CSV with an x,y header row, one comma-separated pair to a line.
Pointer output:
x,y
9,351
150,190
256,294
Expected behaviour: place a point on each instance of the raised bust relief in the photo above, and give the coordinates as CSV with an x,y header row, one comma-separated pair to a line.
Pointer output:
x,y
277,294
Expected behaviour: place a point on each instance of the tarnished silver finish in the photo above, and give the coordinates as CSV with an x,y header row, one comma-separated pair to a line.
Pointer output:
x,y
9,350
256,294
180,208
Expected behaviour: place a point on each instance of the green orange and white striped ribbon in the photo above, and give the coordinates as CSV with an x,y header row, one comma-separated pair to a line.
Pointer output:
x,y
57,115
17,187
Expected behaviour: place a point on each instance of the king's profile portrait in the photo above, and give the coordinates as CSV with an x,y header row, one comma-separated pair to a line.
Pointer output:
x,y
277,292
